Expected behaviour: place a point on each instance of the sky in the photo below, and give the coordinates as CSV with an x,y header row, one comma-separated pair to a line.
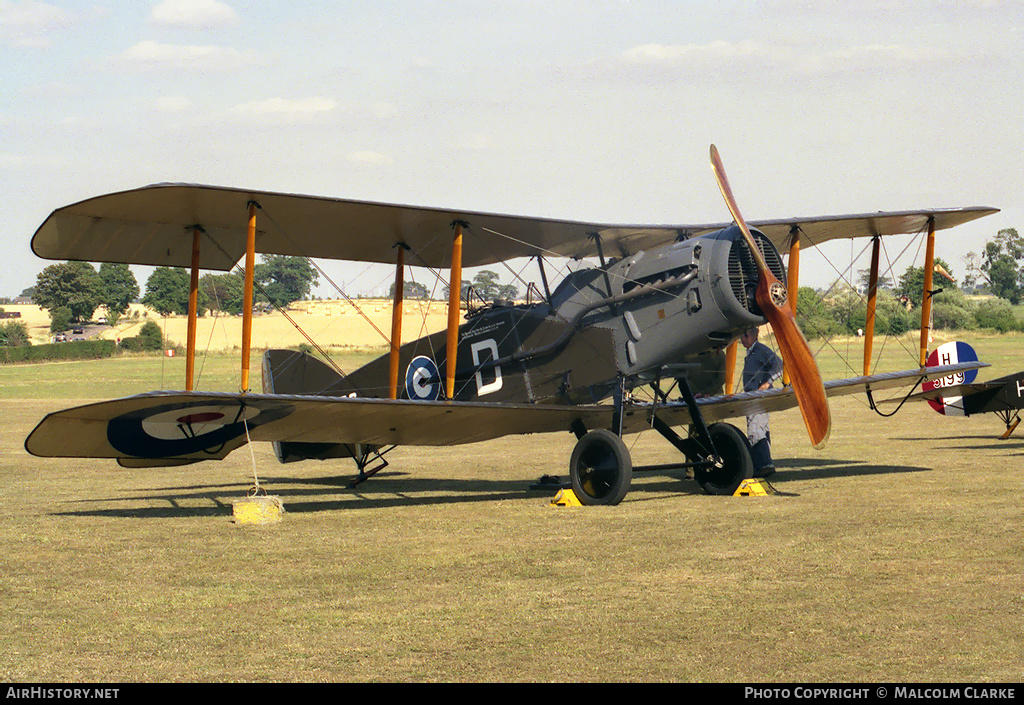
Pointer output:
x,y
599,110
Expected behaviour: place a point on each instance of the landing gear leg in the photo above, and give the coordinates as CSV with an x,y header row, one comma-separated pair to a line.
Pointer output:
x,y
364,455
1011,424
720,453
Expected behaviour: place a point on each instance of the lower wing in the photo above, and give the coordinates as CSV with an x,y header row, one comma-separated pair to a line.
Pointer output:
x,y
174,428
772,400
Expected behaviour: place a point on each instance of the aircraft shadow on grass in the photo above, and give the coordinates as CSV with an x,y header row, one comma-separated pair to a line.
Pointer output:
x,y
985,443
399,489
993,442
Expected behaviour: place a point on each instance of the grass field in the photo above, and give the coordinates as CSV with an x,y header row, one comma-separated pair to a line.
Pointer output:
x,y
896,555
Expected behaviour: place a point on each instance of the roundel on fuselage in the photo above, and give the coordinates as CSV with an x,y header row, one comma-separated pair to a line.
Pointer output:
x,y
422,381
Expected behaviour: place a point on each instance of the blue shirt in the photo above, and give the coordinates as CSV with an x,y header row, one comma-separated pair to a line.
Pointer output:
x,y
761,365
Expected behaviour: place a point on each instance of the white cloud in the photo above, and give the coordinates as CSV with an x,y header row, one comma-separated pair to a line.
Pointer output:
x,y
478,142
193,13
668,62
367,157
7,159
27,23
384,111
150,55
876,8
284,106
172,104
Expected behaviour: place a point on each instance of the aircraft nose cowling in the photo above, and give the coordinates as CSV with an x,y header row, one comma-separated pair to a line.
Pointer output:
x,y
712,305
742,268
732,277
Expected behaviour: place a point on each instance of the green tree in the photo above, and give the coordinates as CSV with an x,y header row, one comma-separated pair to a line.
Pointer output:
x,y
150,336
73,285
223,292
285,279
488,288
508,291
60,319
864,278
463,290
891,315
912,282
118,288
167,291
996,314
952,310
1000,266
14,335
813,314
411,290
846,307
486,285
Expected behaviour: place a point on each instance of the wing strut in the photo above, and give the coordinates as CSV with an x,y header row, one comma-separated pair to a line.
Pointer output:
x,y
792,283
193,312
250,266
869,321
730,367
926,295
454,297
396,322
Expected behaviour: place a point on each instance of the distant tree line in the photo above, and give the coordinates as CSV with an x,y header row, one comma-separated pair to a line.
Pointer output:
x,y
999,267
485,286
842,310
72,291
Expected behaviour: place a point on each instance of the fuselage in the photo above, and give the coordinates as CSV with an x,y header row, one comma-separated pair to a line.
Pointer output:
x,y
626,319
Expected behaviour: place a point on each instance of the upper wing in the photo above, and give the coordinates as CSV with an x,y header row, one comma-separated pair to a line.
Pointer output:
x,y
152,226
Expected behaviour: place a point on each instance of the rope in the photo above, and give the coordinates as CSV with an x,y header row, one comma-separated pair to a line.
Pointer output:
x,y
256,489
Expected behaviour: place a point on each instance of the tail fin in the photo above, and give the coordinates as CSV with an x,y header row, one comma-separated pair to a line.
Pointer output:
x,y
949,354
292,372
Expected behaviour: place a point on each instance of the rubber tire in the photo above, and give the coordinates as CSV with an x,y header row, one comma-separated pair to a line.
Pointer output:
x,y
733,446
600,468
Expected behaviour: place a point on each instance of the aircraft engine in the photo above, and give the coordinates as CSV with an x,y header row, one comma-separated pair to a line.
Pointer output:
x,y
706,298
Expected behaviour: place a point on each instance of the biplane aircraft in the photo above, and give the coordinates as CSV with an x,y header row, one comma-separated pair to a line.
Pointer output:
x,y
959,395
661,300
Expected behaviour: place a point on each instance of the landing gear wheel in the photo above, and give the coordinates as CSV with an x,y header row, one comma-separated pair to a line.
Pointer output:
x,y
734,451
600,468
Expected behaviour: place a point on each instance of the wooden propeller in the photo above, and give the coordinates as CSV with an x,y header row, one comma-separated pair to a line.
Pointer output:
x,y
772,298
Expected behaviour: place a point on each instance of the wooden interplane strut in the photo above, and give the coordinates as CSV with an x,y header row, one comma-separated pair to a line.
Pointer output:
x,y
926,295
869,320
250,268
454,312
193,313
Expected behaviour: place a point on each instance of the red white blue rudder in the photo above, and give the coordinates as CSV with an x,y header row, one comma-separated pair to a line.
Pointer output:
x,y
950,354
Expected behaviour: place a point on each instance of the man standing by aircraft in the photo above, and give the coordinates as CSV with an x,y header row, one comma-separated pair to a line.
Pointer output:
x,y
760,368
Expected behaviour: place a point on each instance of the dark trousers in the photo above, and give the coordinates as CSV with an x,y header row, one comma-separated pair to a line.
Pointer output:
x,y
761,453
